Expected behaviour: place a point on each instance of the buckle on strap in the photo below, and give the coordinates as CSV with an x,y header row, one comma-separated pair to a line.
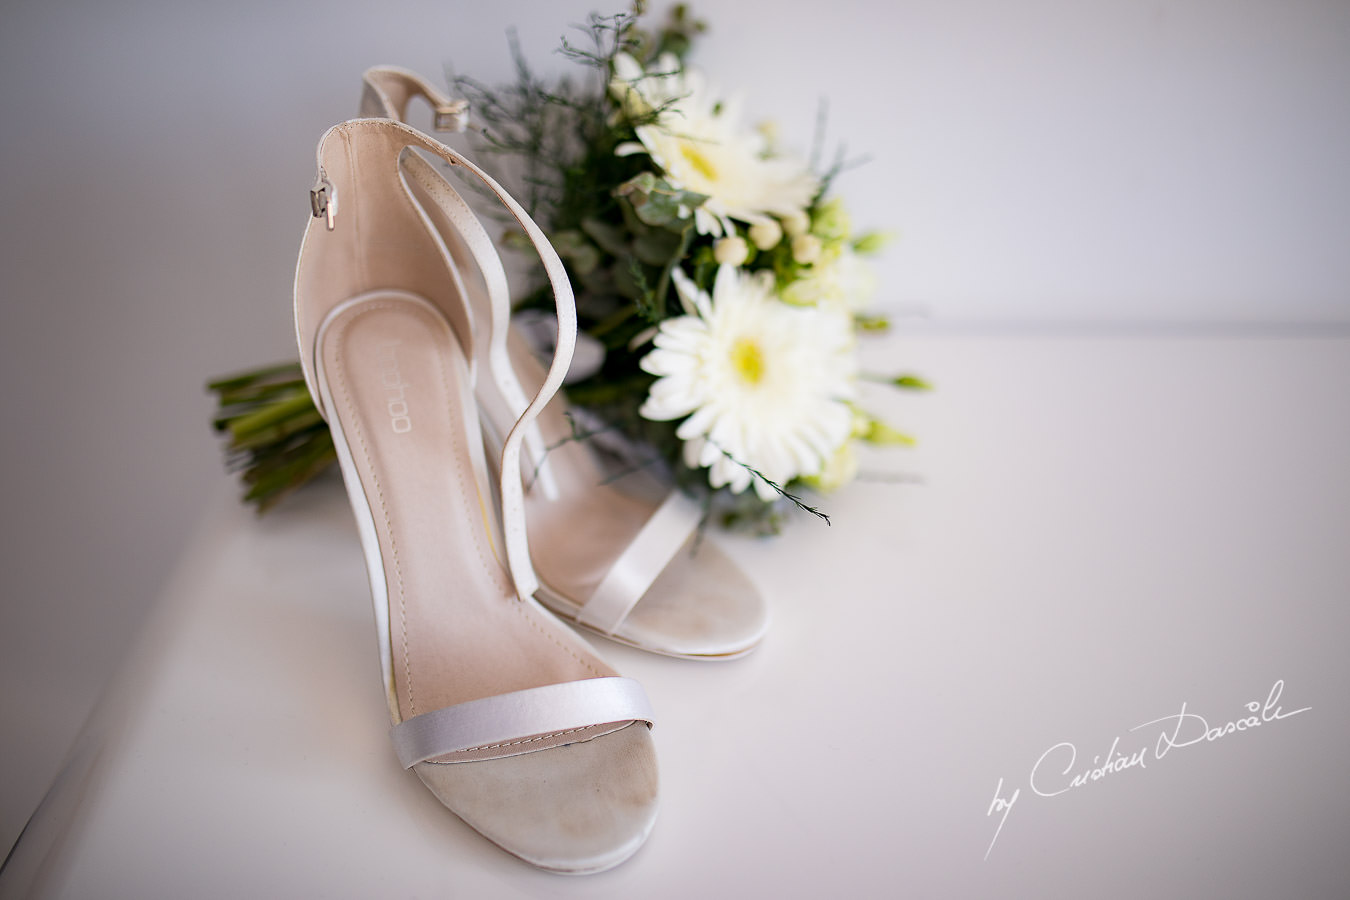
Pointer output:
x,y
451,116
323,200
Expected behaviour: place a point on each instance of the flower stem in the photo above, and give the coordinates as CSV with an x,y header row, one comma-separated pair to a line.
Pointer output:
x,y
275,437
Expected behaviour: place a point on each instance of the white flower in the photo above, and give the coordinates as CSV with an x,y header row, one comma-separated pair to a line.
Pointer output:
x,y
796,224
766,235
730,251
843,279
763,385
698,142
641,92
806,248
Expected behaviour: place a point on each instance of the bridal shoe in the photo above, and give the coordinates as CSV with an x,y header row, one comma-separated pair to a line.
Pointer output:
x,y
625,566
507,716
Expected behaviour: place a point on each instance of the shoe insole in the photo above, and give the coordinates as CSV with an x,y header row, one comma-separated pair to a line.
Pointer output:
x,y
402,396
697,606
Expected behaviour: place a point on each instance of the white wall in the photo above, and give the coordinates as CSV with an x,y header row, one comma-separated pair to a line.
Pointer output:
x,y
1044,162
1103,161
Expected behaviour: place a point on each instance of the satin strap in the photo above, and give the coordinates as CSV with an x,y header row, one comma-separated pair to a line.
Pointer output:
x,y
520,715
386,92
640,563
512,487
388,89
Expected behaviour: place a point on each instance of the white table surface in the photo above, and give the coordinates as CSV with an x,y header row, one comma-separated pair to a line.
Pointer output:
x,y
1106,528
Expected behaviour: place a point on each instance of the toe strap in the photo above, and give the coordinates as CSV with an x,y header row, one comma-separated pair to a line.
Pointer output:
x,y
641,561
543,710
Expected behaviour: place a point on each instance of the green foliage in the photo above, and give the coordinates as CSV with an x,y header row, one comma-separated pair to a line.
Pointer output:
x,y
620,228
658,204
273,434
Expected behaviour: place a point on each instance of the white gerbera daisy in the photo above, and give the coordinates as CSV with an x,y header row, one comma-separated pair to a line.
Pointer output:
x,y
641,92
700,145
764,385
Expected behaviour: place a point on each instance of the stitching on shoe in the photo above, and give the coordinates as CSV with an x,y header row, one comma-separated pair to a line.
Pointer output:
x,y
522,609
542,737
365,309
486,558
438,190
379,492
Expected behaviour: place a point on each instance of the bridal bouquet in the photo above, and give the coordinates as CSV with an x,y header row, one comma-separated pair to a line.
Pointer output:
x,y
720,286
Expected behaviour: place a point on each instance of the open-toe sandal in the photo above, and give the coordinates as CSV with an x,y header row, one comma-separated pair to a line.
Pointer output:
x,y
622,563
508,717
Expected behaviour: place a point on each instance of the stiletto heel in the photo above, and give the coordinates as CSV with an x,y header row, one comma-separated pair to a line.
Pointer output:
x,y
511,720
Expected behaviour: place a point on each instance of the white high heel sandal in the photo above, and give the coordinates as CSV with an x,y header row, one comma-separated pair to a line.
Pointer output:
x,y
511,720
619,565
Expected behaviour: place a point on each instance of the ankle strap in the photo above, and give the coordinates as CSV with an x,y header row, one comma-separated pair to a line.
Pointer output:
x,y
385,138
387,90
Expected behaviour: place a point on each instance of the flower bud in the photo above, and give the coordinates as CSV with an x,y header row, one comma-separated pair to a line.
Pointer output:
x,y
831,222
838,471
872,242
795,223
731,251
766,235
883,435
627,73
806,248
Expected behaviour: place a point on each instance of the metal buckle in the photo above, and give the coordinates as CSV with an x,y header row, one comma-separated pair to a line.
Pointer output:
x,y
453,116
323,199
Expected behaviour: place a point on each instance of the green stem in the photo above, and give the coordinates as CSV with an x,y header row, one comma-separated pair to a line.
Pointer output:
x,y
257,392
251,423
280,431
905,382
263,461
252,376
267,491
